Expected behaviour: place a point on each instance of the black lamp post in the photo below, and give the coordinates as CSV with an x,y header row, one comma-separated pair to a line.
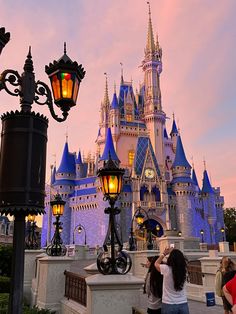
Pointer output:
x,y
4,38
139,216
56,247
222,230
31,242
23,150
202,234
80,228
112,261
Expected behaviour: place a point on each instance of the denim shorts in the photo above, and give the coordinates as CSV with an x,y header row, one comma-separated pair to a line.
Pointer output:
x,y
174,308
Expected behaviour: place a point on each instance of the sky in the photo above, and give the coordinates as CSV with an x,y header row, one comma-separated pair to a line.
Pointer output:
x,y
198,39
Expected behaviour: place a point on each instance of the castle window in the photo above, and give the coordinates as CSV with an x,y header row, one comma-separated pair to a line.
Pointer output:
x,y
129,117
60,186
131,157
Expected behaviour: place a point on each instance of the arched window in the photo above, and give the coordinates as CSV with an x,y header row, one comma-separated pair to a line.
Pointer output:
x,y
131,157
157,194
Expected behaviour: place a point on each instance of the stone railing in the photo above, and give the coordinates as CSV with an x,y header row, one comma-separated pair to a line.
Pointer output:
x,y
75,287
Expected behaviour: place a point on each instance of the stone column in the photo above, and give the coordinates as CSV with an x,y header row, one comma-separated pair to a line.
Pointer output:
x,y
51,281
30,271
113,293
224,247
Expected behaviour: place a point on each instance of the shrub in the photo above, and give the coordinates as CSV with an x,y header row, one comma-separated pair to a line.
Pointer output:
x,y
4,297
5,260
4,284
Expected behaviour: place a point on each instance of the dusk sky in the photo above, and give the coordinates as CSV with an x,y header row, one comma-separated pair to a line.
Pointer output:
x,y
198,82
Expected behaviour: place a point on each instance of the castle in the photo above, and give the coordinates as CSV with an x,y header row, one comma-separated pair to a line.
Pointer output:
x,y
158,176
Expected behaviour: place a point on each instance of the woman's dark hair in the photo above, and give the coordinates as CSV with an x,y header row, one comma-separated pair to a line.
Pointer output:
x,y
156,279
178,263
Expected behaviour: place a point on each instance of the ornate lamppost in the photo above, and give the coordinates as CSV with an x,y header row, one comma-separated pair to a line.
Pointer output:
x,y
139,216
23,149
222,230
80,228
202,234
31,242
4,38
57,248
112,260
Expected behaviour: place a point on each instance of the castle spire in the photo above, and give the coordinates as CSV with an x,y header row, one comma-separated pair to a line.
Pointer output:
x,y
206,185
106,101
150,46
66,165
109,149
180,158
174,130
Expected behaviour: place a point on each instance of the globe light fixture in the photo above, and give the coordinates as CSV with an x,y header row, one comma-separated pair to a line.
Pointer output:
x,y
202,234
222,230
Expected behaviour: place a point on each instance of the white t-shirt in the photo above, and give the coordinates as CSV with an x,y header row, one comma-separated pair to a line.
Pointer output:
x,y
170,295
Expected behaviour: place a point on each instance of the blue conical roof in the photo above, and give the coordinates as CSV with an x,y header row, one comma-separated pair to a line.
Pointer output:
x,y
114,104
79,159
53,176
67,164
165,134
194,178
174,128
180,158
206,185
109,148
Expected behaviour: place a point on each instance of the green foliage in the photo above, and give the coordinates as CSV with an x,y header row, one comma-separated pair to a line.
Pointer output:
x,y
4,284
36,310
5,260
230,224
4,298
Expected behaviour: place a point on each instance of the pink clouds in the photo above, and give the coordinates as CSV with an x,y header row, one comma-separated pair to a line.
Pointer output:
x,y
198,41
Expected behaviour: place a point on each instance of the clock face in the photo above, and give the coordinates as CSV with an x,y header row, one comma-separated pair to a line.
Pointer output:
x,y
149,173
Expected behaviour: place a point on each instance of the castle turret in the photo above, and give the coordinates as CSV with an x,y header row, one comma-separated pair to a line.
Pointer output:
x,y
174,134
109,150
184,191
153,113
79,166
209,207
195,182
115,118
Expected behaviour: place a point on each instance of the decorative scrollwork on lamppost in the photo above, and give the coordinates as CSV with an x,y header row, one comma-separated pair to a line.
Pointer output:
x,y
222,230
202,234
31,242
139,216
4,38
79,228
23,148
112,260
57,248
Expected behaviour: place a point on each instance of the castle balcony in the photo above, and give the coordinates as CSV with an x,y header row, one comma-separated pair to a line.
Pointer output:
x,y
153,208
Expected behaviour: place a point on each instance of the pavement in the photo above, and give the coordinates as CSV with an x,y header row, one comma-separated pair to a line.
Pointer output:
x,y
200,308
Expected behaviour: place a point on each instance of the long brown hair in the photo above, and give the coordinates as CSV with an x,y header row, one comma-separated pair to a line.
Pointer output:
x,y
178,263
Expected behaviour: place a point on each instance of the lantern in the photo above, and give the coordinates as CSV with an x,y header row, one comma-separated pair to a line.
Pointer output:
x,y
111,179
139,218
65,76
31,218
58,205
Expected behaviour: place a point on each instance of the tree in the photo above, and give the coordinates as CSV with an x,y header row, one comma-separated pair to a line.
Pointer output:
x,y
230,224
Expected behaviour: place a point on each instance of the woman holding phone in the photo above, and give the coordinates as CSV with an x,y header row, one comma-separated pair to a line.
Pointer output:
x,y
174,299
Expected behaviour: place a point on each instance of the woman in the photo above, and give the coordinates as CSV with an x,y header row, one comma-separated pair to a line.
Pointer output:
x,y
223,275
153,287
230,293
174,300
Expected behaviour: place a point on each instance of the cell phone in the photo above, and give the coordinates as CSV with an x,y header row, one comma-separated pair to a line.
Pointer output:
x,y
172,245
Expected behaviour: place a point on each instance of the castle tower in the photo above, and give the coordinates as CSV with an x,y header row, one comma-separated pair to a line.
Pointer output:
x,y
153,115
184,191
79,166
115,118
209,207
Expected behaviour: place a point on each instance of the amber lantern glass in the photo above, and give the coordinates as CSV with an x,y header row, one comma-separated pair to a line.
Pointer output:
x,y
58,205
31,218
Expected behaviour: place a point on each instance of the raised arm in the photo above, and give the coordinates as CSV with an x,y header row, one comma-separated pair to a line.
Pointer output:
x,y
160,258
